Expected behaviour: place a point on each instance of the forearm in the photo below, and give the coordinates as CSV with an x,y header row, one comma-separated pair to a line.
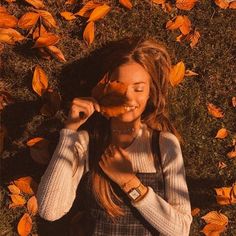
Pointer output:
x,y
56,191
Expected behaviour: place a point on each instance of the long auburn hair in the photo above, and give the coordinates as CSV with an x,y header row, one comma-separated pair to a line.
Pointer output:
x,y
154,58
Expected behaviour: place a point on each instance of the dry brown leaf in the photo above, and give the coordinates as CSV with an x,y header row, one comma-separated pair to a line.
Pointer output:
x,y
24,226
175,23
213,229
234,101
232,5
36,3
223,195
167,7
214,217
177,73
193,38
39,31
28,20
17,200
222,3
45,40
52,103
85,11
99,12
231,154
221,165
88,34
189,73
5,99
126,3
13,34
7,20
214,111
13,189
48,19
40,81
26,185
185,4
179,38
68,15
39,152
195,211
32,206
56,52
186,26
222,133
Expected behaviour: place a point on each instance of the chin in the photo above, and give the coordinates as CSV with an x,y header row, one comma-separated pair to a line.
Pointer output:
x,y
129,116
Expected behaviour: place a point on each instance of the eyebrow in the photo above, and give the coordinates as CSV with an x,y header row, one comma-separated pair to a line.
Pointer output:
x,y
141,82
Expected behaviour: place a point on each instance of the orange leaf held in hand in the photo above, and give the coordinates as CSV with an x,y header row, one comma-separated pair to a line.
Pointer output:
x,y
177,73
99,12
88,34
126,3
36,3
214,111
32,206
26,185
185,4
13,189
222,133
68,15
24,226
40,81
28,20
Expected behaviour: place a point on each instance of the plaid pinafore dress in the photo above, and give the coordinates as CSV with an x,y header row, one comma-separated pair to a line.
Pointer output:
x,y
132,223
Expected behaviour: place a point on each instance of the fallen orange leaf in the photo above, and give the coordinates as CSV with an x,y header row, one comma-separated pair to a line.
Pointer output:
x,y
26,185
13,34
177,73
3,9
13,189
33,141
48,19
213,229
222,133
222,3
7,20
28,20
223,195
233,194
36,3
185,4
193,38
234,101
214,217
126,3
221,165
68,15
232,5
186,26
190,73
56,52
85,11
5,38
46,40
88,34
195,211
39,31
99,12
40,81
214,111
32,206
231,154
24,226
175,23
70,2
159,1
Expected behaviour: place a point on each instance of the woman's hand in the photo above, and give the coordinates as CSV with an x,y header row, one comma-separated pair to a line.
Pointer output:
x,y
116,164
81,109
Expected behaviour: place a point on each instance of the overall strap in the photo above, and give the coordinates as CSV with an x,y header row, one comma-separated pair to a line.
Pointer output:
x,y
157,154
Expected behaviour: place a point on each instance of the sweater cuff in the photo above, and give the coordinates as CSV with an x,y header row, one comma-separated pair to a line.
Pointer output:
x,y
148,198
68,133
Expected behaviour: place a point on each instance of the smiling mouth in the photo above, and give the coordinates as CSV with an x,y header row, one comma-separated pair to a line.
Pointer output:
x,y
130,108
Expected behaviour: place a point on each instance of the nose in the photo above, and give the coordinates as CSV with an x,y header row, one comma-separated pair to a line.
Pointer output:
x,y
129,94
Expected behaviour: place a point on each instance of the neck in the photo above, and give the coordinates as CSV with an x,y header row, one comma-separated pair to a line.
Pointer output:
x,y
123,133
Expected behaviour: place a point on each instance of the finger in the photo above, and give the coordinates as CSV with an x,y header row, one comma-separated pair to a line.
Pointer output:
x,y
95,104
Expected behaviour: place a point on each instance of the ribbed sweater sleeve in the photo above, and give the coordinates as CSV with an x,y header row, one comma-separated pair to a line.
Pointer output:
x,y
171,217
57,188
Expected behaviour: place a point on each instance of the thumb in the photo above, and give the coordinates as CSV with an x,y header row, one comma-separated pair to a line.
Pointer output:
x,y
123,152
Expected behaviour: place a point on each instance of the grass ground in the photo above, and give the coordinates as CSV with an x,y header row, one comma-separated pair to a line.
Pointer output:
x,y
213,59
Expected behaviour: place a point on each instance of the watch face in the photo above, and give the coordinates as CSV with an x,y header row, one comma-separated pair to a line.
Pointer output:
x,y
134,194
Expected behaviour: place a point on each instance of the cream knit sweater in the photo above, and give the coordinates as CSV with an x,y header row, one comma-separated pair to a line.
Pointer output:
x,y
57,189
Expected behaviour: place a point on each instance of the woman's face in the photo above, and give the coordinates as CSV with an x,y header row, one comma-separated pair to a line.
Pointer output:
x,y
137,80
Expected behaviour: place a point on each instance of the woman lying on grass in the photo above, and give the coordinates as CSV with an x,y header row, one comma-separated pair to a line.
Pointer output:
x,y
128,164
